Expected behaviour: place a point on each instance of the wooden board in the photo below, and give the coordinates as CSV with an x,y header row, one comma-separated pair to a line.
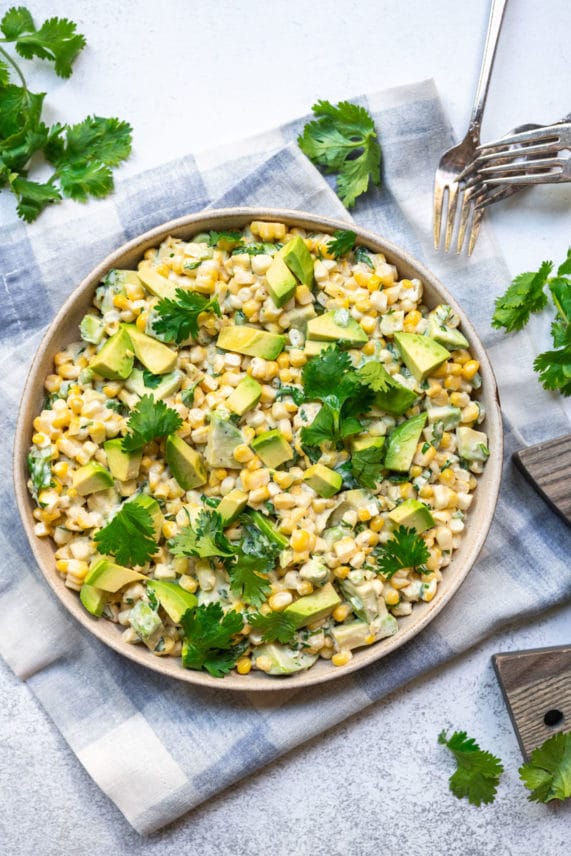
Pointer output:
x,y
537,690
548,468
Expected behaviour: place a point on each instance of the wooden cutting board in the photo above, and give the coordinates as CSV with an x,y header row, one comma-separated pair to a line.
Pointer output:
x,y
548,467
537,690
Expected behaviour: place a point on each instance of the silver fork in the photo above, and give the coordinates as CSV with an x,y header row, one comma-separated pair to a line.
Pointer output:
x,y
510,169
454,161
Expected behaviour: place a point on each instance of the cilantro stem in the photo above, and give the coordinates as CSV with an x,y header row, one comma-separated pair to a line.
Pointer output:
x,y
14,65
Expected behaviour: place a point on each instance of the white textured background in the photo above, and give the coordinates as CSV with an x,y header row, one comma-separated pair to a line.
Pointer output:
x,y
189,74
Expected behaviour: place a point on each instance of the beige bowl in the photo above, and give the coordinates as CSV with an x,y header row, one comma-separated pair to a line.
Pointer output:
x,y
64,329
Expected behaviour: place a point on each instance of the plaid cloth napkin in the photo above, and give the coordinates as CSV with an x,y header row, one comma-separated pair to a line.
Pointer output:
x,y
158,747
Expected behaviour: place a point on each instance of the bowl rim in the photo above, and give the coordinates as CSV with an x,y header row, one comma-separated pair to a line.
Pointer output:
x,y
107,632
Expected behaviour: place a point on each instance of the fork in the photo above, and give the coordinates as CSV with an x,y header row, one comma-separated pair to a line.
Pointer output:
x,y
510,170
454,161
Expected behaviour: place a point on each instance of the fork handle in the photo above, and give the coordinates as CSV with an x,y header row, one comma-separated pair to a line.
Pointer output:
x,y
494,26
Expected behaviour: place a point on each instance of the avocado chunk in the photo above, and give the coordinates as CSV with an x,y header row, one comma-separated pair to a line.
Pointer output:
x,y
93,599
299,260
413,514
336,326
421,354
355,634
284,660
324,481
396,399
273,448
245,396
155,356
92,329
152,506
313,607
268,528
223,437
91,478
124,466
173,599
232,505
364,599
401,445
444,334
448,415
108,576
115,359
472,445
158,285
281,282
185,463
144,620
313,349
167,386
250,341
360,444
298,317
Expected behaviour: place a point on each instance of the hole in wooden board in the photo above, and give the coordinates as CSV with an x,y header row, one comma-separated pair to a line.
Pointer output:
x,y
553,717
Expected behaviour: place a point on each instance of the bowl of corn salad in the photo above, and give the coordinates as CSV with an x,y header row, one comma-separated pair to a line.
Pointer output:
x,y
257,449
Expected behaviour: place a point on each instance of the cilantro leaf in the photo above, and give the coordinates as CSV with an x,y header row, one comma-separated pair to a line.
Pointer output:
x,y
565,267
248,578
148,421
554,369
4,73
178,319
16,21
39,467
33,197
329,377
256,249
150,380
366,465
208,639
129,536
362,255
342,243
406,549
225,240
57,40
275,627
375,376
296,394
478,772
204,540
524,296
547,774
343,139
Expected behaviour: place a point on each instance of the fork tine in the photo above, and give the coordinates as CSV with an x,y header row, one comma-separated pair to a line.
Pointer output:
x,y
526,151
437,211
536,136
494,193
523,179
475,230
521,168
465,211
451,217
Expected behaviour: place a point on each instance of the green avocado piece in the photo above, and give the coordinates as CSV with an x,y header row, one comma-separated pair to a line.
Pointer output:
x,y
124,466
472,445
396,399
401,445
144,620
449,337
156,357
223,437
298,317
281,282
185,463
152,506
284,660
173,598
115,359
363,598
250,341
108,576
313,607
324,481
267,527
91,478
447,414
158,285
352,635
245,396
421,354
413,514
168,385
93,599
232,505
336,326
273,448
299,260
359,444
92,328
313,349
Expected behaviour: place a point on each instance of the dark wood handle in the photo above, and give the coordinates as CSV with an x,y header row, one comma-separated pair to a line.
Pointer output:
x,y
548,467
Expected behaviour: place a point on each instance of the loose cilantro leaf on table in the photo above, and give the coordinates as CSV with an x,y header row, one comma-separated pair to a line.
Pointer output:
x,y
366,465
208,639
178,319
343,140
524,296
406,549
275,627
547,774
342,243
148,421
39,467
478,772
129,536
57,40
204,539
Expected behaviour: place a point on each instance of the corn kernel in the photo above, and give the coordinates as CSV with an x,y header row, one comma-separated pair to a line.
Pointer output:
x,y
377,523
364,514
61,420
453,382
297,358
342,572
447,477
369,349
39,439
445,440
169,529
304,588
244,665
60,469
283,479
188,583
243,454
342,658
341,612
391,597
52,383
260,494
425,491
368,324
280,600
407,283
470,368
300,540
303,295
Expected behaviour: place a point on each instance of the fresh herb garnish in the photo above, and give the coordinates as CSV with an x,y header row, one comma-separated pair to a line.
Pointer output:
x,y
478,772
248,579
366,465
150,380
361,254
296,394
343,140
177,320
406,549
129,536
39,467
274,627
208,639
255,249
547,774
204,539
375,376
342,243
187,395
225,240
148,421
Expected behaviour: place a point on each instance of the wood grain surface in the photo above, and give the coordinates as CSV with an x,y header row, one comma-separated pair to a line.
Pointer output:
x,y
537,689
548,468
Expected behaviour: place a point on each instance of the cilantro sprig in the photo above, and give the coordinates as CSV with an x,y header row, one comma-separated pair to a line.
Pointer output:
x,y
39,467
529,293
274,627
406,549
82,155
203,540
208,641
478,772
547,774
129,536
177,319
342,138
150,420
366,465
342,243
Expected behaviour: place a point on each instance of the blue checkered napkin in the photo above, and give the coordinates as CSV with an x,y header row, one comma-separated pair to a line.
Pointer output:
x,y
156,747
